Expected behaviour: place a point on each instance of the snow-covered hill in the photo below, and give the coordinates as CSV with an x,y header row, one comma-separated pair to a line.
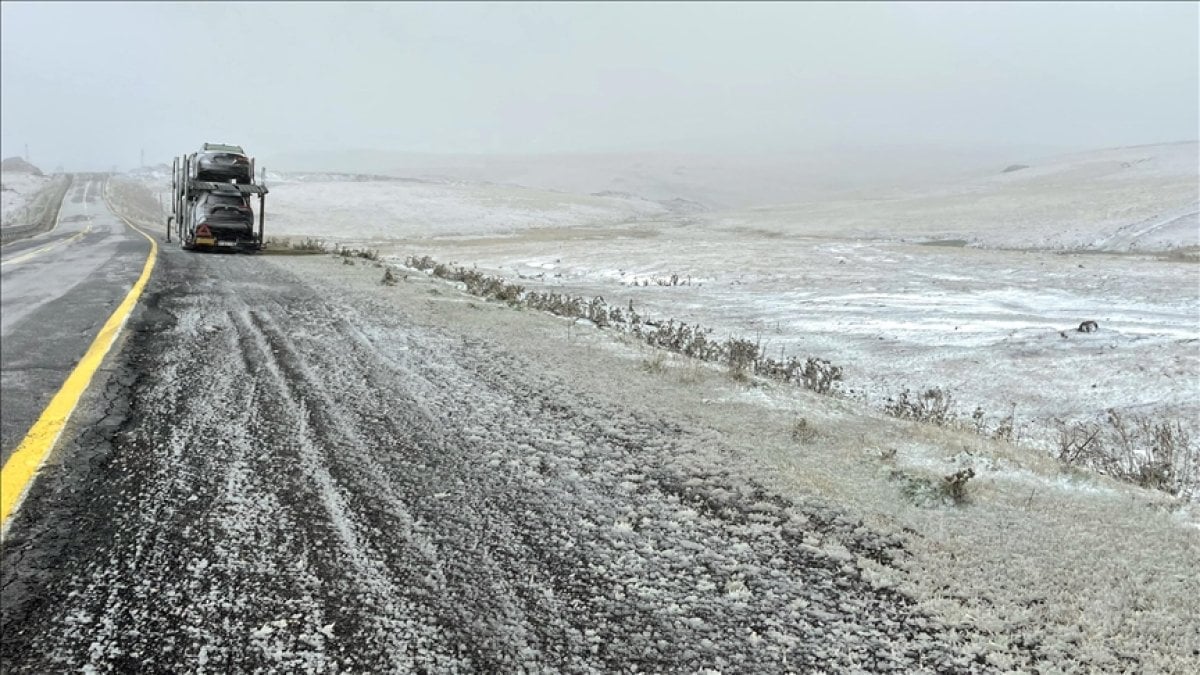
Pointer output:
x,y
19,182
1134,198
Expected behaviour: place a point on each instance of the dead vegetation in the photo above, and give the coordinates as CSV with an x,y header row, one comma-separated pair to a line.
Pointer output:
x,y
932,406
656,364
928,491
804,432
1153,454
673,280
289,246
744,358
954,486
314,245
366,253
1188,254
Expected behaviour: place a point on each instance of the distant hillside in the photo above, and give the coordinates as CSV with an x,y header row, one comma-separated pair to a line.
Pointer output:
x,y
709,181
1136,198
18,165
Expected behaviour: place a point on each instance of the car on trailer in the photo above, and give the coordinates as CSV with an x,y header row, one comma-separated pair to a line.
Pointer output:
x,y
220,162
224,219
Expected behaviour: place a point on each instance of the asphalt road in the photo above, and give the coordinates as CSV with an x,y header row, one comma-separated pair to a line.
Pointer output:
x,y
277,474
56,290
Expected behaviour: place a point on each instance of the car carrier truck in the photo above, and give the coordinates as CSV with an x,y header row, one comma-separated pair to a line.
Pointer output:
x,y
211,206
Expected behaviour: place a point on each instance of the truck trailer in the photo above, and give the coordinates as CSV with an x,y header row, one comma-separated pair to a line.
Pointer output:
x,y
212,200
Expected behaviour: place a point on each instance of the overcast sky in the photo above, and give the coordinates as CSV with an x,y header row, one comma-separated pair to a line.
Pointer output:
x,y
90,85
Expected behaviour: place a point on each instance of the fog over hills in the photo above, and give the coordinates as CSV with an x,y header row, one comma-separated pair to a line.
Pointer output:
x,y
718,181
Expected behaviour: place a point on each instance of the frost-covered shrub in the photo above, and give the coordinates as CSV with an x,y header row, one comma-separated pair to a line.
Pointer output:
x,y
954,486
366,253
803,431
1157,454
741,355
932,405
927,491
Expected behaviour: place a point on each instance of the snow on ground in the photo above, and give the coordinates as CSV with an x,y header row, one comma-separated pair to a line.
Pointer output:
x,y
18,189
843,278
1017,565
997,329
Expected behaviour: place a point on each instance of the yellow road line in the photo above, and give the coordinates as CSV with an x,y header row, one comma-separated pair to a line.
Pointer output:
x,y
38,251
21,467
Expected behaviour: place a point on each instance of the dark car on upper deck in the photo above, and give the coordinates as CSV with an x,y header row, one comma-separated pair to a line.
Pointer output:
x,y
223,163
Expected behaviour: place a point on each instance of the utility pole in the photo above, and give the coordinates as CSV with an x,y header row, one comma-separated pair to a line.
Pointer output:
x,y
26,152
142,158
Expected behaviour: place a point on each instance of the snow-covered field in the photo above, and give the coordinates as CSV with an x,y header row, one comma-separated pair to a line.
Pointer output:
x,y
389,209
725,181
341,207
975,286
983,325
18,189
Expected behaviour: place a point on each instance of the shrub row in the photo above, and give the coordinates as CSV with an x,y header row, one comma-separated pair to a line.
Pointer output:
x,y
741,355
1155,454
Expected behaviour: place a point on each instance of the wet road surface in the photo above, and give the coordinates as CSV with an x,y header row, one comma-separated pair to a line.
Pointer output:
x,y
56,290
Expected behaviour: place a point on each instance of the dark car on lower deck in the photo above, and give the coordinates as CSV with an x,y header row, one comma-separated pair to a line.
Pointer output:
x,y
226,218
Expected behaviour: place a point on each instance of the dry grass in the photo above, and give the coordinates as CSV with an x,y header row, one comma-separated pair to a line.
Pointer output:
x,y
307,245
655,363
287,246
1152,453
1189,254
365,253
